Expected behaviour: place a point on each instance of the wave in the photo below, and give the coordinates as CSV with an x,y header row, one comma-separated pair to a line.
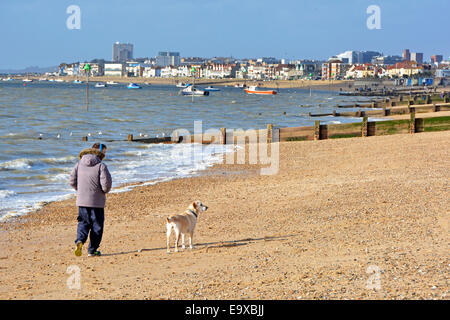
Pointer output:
x,y
16,164
6,193
24,163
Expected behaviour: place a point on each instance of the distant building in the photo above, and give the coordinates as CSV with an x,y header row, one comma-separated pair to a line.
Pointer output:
x,y
404,69
333,69
97,69
437,59
442,73
386,60
406,55
417,57
134,69
114,69
166,58
350,57
122,52
150,72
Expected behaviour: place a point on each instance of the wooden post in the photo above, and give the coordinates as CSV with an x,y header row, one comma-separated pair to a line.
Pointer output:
x,y
436,107
364,127
428,99
223,132
269,133
130,137
412,120
317,130
84,139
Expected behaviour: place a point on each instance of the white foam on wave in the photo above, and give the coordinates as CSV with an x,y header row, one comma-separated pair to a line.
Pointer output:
x,y
22,163
6,193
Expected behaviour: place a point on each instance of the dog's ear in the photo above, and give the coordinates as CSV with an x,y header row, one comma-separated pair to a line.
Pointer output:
x,y
194,205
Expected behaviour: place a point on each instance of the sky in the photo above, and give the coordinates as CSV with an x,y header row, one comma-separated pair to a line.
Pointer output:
x,y
35,32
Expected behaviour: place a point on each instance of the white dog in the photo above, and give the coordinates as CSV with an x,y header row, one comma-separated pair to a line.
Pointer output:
x,y
184,224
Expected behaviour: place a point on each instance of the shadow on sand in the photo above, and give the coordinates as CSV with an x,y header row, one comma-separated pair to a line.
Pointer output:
x,y
210,245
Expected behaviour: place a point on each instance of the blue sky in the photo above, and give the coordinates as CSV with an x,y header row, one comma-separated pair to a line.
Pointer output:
x,y
34,32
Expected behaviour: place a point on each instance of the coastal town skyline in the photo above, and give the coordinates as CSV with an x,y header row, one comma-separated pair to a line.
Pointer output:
x,y
293,30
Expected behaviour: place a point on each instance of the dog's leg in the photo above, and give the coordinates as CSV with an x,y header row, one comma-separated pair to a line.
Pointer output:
x,y
169,229
177,238
182,241
191,235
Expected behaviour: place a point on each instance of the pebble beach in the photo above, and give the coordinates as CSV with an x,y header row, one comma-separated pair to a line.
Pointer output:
x,y
356,218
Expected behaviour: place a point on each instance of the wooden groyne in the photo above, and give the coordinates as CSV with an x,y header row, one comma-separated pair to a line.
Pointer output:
x,y
436,107
318,131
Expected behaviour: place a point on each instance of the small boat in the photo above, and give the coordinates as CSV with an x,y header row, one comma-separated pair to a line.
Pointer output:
x,y
59,80
42,79
243,85
211,88
27,80
133,86
183,85
7,79
112,82
254,90
193,91
100,85
77,81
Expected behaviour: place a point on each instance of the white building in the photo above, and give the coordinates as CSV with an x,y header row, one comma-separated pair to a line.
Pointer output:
x,y
114,70
151,72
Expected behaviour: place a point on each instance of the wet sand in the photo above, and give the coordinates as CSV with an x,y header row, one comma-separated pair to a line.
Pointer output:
x,y
354,218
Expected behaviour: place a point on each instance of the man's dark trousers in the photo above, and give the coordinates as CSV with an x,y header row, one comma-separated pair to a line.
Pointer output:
x,y
90,223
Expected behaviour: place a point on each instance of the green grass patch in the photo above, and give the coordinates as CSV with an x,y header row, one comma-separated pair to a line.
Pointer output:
x,y
303,138
437,120
436,128
343,135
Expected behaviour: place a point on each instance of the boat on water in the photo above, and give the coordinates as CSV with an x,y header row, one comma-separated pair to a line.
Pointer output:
x,y
194,91
183,85
42,79
112,82
27,80
7,79
242,85
254,90
100,85
211,88
133,86
59,80
77,81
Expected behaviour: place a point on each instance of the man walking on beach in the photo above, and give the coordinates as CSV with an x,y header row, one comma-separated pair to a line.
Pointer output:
x,y
91,179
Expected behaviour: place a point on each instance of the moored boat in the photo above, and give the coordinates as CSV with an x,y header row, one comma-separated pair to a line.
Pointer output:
x,y
100,85
133,86
183,85
194,91
112,82
211,88
254,90
77,81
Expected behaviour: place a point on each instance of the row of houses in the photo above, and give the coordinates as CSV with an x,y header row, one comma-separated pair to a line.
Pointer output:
x,y
334,68
250,70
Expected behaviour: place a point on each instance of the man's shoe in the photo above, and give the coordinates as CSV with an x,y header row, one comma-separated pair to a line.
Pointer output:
x,y
95,254
78,250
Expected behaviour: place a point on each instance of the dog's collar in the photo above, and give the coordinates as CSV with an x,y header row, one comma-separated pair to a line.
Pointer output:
x,y
191,211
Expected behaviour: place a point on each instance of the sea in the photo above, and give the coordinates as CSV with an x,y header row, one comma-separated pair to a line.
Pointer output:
x,y
42,124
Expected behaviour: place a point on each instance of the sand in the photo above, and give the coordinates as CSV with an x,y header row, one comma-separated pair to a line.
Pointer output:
x,y
358,218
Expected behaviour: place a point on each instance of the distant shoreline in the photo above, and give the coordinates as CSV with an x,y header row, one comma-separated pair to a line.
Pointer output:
x,y
322,84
